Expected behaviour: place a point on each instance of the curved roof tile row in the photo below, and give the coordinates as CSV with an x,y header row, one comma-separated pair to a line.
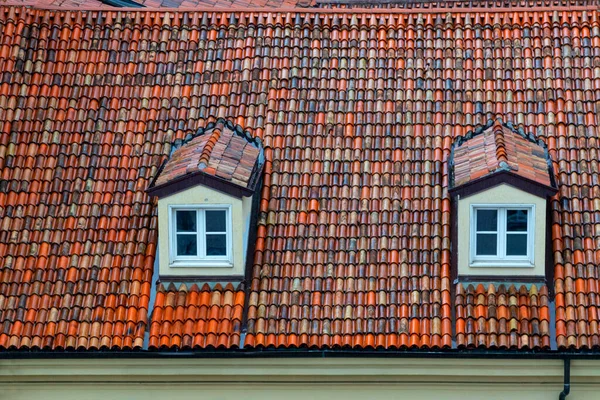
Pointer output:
x,y
357,115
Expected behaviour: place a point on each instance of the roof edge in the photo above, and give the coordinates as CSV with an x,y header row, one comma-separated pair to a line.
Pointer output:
x,y
501,279
500,177
454,353
316,10
197,178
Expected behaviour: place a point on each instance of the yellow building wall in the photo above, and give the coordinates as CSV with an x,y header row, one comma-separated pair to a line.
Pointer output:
x,y
347,391
501,194
199,195
293,378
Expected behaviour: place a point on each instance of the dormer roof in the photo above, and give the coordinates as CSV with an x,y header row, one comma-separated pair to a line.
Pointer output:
x,y
498,150
222,156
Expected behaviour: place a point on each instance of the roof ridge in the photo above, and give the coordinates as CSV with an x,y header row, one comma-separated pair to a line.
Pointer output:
x,y
208,147
501,154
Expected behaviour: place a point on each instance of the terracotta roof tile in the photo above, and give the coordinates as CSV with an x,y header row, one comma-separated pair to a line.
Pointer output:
x,y
498,148
193,318
219,151
502,317
273,5
155,4
357,114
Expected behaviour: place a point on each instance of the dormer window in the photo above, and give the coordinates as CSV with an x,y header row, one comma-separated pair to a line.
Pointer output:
x,y
206,209
501,180
200,236
502,235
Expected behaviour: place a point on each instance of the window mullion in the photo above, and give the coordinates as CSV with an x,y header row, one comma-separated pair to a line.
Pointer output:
x,y
200,234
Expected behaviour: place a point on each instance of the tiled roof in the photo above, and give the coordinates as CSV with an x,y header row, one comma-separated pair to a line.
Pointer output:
x,y
272,5
434,5
498,148
501,317
357,114
154,4
197,318
218,151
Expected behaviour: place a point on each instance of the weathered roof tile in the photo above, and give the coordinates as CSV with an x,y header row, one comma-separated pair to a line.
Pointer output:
x,y
194,318
498,148
357,122
501,317
234,157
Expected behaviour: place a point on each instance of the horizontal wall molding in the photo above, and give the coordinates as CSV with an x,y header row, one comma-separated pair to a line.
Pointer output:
x,y
342,370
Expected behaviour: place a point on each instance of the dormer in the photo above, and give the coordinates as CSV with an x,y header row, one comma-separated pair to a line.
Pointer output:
x,y
206,200
500,183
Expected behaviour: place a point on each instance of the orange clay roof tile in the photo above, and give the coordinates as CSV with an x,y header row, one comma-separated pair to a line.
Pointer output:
x,y
218,151
273,5
357,121
193,318
499,148
219,5
502,317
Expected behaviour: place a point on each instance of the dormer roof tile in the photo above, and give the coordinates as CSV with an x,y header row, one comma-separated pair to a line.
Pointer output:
x,y
497,148
221,151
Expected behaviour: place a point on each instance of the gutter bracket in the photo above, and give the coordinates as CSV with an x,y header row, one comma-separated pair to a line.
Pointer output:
x,y
567,380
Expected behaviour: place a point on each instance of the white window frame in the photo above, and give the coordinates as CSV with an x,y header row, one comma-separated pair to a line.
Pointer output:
x,y
200,260
502,260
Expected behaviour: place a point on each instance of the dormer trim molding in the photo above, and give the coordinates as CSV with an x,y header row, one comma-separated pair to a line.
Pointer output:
x,y
198,178
498,178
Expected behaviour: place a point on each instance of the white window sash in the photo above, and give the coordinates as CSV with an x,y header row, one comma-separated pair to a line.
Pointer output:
x,y
201,235
502,233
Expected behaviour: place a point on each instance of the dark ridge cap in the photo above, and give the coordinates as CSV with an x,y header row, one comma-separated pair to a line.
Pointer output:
x,y
459,140
238,130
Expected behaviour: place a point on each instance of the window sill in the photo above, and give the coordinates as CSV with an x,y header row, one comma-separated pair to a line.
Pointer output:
x,y
501,264
201,264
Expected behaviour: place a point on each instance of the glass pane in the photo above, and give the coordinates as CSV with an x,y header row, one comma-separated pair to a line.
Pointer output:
x,y
487,244
216,245
516,244
187,245
215,221
487,220
186,221
516,220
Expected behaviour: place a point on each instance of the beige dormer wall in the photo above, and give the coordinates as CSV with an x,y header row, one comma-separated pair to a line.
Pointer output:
x,y
509,195
197,196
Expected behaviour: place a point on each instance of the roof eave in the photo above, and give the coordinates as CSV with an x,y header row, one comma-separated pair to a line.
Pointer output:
x,y
198,178
498,178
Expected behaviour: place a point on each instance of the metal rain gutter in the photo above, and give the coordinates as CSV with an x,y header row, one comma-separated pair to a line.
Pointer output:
x,y
567,379
299,353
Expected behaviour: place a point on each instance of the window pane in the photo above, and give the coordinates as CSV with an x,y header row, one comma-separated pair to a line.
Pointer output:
x,y
187,245
215,221
516,244
516,220
487,244
216,245
186,221
487,220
